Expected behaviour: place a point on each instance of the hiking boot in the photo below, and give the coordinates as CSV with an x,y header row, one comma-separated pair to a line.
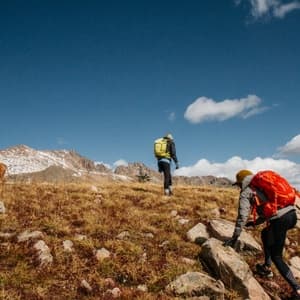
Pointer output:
x,y
264,271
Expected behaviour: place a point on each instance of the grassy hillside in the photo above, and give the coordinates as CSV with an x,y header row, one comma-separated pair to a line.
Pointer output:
x,y
150,253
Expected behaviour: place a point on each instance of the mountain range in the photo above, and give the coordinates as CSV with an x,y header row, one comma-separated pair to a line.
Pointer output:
x,y
28,164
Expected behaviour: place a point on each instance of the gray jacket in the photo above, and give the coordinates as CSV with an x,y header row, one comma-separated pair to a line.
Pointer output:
x,y
246,201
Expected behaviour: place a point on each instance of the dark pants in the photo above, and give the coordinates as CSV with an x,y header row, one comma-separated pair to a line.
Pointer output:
x,y
165,168
273,238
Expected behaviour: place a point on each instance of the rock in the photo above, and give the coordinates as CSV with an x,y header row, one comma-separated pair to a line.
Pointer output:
x,y
26,236
227,264
6,236
86,286
198,234
2,208
142,288
43,253
148,235
123,235
164,244
114,293
174,213
109,282
102,254
215,213
68,246
196,284
94,189
188,261
80,237
222,229
183,221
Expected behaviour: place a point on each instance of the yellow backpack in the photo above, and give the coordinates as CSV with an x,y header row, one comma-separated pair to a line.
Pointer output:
x,y
161,148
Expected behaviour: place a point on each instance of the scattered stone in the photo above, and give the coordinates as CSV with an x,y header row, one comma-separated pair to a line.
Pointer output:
x,y
86,286
174,213
114,293
94,189
215,213
5,236
2,208
142,288
27,235
164,244
123,235
109,282
148,235
198,234
80,237
183,221
68,246
102,254
43,253
143,258
188,261
196,284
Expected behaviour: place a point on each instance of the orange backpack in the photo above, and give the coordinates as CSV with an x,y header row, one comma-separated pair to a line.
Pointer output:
x,y
277,191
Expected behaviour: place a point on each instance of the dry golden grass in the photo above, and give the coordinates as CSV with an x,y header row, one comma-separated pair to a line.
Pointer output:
x,y
62,211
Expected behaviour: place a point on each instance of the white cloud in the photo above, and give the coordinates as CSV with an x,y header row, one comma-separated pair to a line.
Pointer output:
x,y
205,109
273,8
284,9
228,169
291,147
120,162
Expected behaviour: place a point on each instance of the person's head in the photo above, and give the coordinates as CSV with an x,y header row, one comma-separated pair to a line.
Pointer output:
x,y
240,176
169,136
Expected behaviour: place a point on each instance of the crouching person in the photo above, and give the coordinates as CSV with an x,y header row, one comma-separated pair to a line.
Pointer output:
x,y
270,196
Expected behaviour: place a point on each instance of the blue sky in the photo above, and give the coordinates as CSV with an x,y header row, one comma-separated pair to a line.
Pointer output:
x,y
107,78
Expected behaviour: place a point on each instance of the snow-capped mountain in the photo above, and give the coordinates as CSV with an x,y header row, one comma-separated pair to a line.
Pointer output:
x,y
27,163
23,159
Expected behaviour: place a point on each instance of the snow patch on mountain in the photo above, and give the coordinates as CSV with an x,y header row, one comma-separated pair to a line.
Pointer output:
x,y
23,159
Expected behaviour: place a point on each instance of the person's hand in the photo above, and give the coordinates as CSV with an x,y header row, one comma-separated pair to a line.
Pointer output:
x,y
231,242
177,166
250,224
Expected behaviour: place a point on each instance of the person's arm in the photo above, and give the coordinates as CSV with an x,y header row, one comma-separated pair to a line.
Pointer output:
x,y
243,214
173,153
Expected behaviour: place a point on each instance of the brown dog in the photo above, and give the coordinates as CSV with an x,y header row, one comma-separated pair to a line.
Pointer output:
x,y
3,169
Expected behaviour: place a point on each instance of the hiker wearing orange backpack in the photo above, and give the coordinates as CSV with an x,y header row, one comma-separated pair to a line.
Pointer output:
x,y
271,197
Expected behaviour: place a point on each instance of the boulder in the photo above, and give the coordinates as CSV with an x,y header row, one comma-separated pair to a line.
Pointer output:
x,y
222,229
226,264
196,284
198,234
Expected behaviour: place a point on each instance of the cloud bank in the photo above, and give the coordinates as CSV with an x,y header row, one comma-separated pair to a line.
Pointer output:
x,y
271,8
228,169
206,109
291,147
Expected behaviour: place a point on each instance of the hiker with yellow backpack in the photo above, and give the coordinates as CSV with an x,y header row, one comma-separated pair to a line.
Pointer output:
x,y
165,152
272,198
